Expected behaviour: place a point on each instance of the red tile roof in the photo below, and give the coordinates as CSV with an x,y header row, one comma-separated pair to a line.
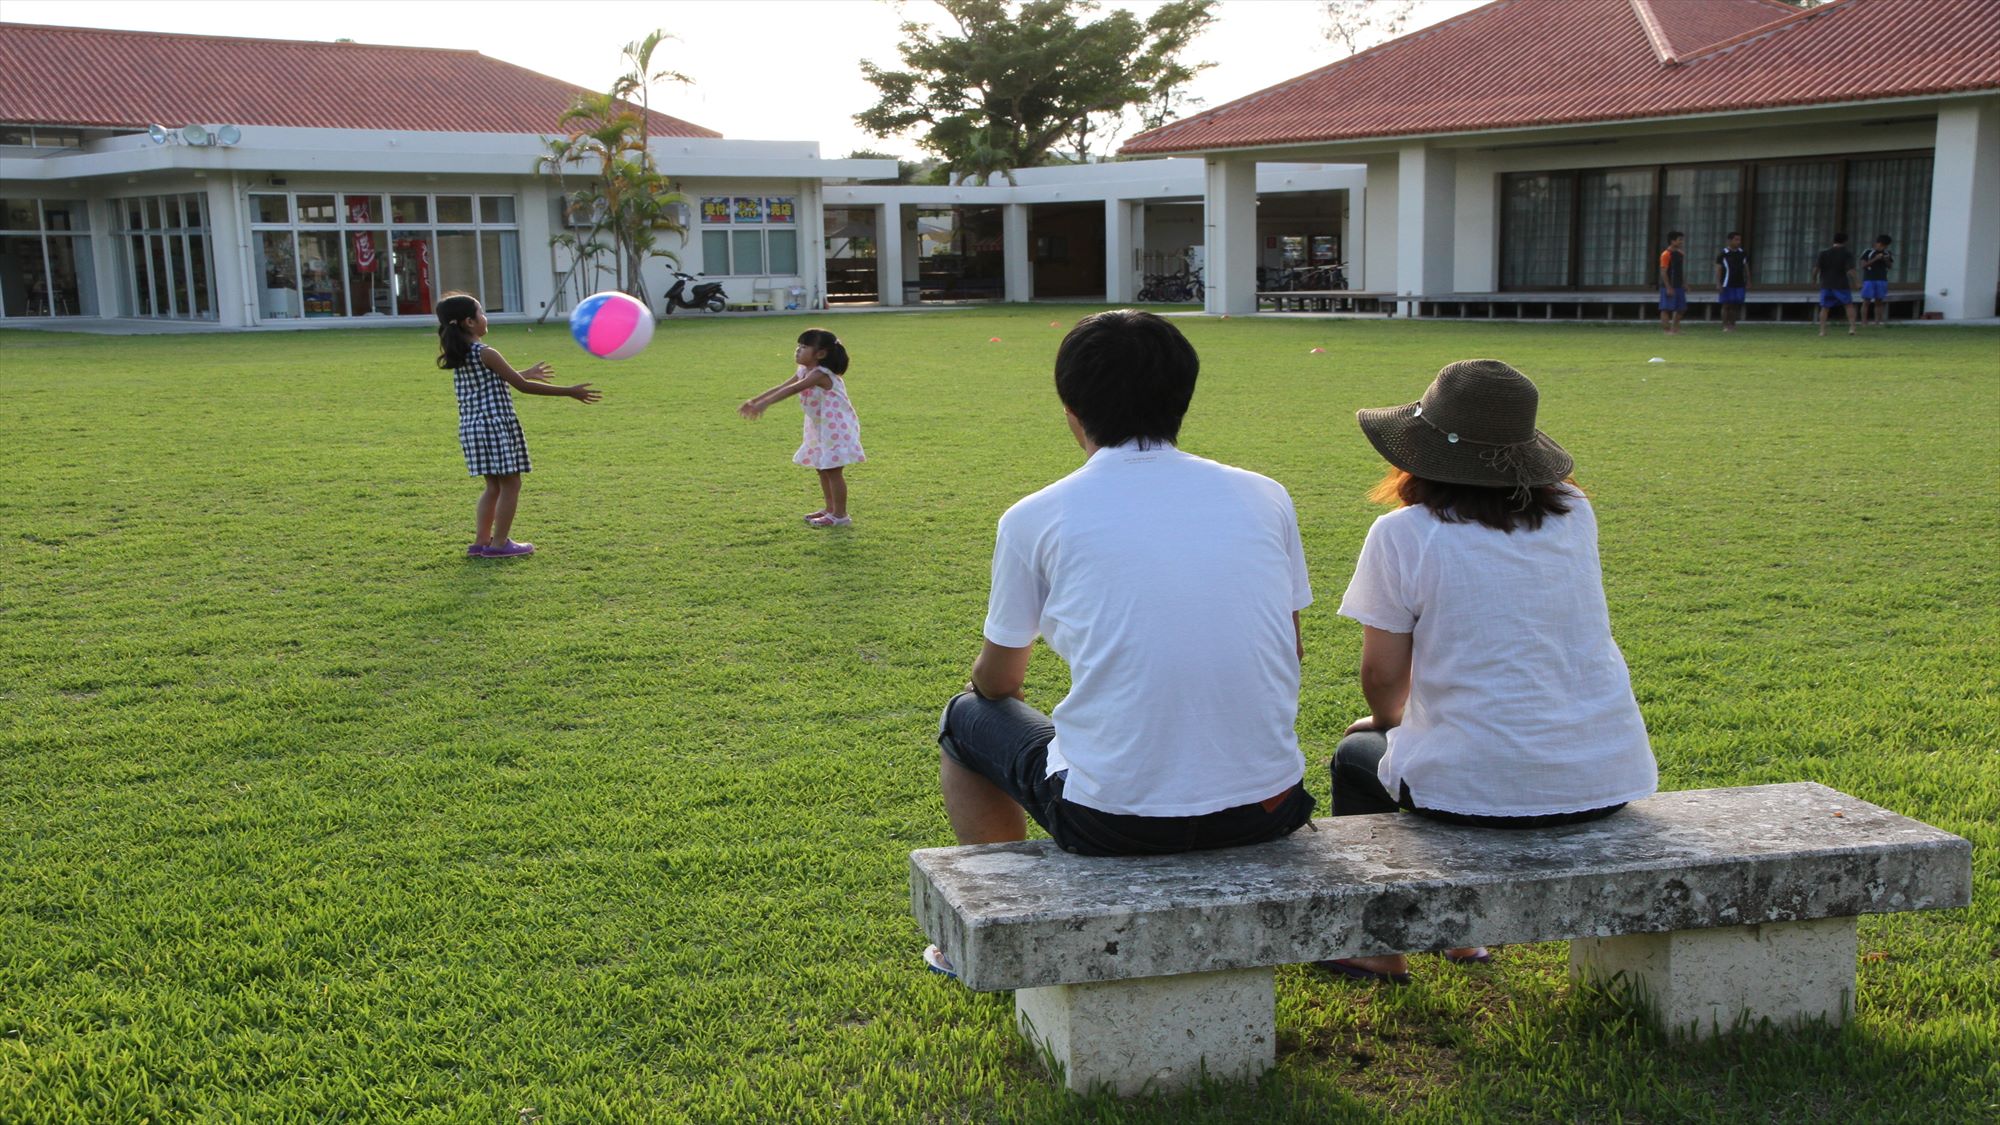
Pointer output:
x,y
129,79
1525,63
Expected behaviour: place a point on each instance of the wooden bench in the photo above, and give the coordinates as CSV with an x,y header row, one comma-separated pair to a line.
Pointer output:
x,y
1715,904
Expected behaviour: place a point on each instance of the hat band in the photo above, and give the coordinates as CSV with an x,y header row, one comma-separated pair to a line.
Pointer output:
x,y
1504,458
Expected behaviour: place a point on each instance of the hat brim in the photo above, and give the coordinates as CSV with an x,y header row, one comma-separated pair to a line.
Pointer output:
x,y
1414,446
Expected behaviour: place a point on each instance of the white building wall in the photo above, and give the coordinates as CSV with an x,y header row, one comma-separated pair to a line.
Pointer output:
x,y
1964,260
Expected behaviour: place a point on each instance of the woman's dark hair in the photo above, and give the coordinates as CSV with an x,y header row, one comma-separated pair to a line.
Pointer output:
x,y
1499,508
1127,376
454,342
822,340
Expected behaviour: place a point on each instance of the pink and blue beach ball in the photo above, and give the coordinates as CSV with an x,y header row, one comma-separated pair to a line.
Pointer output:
x,y
612,325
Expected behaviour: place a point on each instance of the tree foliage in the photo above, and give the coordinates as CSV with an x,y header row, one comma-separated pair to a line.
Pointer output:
x,y
1016,81
1356,25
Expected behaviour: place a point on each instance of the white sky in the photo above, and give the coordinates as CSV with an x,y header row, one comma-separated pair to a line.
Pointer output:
x,y
763,69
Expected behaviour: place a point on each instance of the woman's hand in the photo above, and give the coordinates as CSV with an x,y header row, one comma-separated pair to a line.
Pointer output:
x,y
752,410
539,373
582,392
1366,722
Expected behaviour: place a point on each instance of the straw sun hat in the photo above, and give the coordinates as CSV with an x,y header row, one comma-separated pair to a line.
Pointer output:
x,y
1475,425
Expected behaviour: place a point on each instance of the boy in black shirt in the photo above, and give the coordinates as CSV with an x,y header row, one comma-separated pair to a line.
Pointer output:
x,y
1834,271
1876,262
1732,277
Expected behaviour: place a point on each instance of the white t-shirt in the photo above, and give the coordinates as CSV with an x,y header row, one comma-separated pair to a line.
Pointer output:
x,y
1520,703
1168,583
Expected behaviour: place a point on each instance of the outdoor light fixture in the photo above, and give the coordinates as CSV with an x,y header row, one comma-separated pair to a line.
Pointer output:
x,y
199,136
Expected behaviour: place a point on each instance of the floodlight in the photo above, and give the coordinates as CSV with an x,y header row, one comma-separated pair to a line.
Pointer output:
x,y
195,135
229,134
157,134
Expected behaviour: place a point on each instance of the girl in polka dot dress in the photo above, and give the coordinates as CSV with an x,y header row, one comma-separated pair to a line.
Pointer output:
x,y
833,433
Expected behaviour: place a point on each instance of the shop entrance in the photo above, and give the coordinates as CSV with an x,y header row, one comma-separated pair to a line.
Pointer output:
x,y
1066,245
958,255
1299,240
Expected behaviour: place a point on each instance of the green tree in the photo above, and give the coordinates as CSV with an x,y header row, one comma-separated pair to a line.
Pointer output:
x,y
1356,25
629,206
1018,80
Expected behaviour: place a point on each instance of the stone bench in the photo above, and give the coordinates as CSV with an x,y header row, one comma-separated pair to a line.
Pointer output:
x,y
1140,973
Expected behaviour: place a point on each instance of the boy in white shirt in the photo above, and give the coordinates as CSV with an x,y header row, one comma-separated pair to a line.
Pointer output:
x,y
1171,585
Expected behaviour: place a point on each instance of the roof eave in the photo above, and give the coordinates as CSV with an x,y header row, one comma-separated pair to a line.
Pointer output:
x,y
1396,139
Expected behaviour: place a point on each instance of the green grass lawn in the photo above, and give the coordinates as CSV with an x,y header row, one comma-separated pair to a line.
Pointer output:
x,y
306,817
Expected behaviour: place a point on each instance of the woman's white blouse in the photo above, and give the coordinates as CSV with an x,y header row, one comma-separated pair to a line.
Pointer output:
x,y
1520,703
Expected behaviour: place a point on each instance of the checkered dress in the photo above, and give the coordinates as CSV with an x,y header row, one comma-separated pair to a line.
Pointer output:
x,y
487,427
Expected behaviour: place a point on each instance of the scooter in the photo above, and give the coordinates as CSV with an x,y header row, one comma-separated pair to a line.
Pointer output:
x,y
707,295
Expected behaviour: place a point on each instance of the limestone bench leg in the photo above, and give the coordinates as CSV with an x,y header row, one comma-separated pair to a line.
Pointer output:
x,y
1154,1033
1703,979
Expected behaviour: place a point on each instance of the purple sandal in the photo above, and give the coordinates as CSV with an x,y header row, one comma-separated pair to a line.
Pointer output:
x,y
509,550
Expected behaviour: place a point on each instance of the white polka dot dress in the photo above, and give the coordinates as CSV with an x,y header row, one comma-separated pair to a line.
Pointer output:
x,y
833,431
487,428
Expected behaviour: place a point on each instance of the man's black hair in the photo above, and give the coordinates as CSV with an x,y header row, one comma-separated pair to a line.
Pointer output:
x,y
1127,376
1839,238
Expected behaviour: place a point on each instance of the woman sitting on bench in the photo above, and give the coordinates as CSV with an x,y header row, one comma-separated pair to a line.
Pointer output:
x,y
1496,695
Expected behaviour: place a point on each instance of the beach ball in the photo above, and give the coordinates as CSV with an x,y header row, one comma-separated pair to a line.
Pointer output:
x,y
612,325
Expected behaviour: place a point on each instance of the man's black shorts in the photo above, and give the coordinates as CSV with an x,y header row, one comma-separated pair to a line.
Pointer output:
x,y
1007,742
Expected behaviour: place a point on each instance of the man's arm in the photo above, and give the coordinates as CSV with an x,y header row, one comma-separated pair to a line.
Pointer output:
x,y
1000,672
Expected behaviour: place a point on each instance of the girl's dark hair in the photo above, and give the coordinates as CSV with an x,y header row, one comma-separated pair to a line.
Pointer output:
x,y
1499,508
454,342
836,352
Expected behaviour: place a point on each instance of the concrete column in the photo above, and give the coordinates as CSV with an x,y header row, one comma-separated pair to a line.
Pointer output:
x,y
106,258
1704,981
1154,1034
1120,265
1963,265
236,288
889,254
535,211
811,218
1426,194
1230,229
1378,235
1018,270
1354,237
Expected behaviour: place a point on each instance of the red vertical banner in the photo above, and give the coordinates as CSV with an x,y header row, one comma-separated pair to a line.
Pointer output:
x,y
364,242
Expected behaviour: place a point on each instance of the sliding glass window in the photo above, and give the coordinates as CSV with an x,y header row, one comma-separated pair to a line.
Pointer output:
x,y
169,256
1604,228
1535,225
352,254
45,263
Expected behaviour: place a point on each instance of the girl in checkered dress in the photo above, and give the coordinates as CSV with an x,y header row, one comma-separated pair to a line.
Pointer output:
x,y
833,431
487,428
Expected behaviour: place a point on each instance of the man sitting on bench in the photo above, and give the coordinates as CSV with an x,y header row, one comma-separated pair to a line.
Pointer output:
x,y
1172,586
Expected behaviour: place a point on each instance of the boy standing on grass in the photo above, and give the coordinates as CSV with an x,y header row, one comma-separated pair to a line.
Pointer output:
x,y
1673,283
1834,273
1172,586
1876,262
1732,279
